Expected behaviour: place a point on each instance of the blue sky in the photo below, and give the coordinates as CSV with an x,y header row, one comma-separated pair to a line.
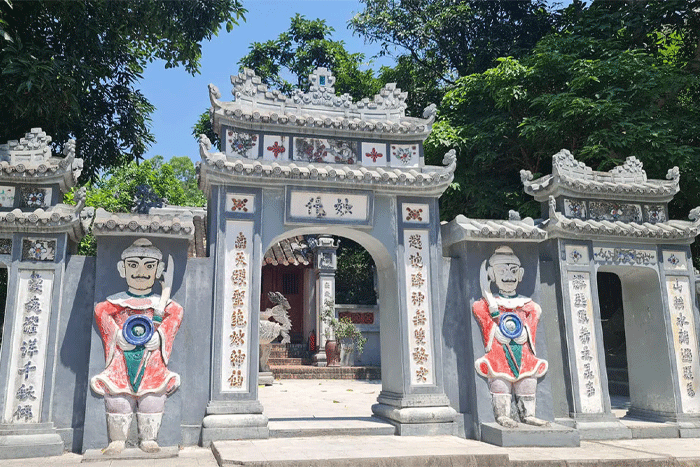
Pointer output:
x,y
180,98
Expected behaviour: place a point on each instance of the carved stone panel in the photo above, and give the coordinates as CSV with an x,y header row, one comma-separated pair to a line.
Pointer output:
x,y
404,155
5,246
28,347
7,196
631,256
417,271
237,307
575,208
321,206
34,197
576,254
414,213
38,249
240,203
325,150
610,211
584,345
675,261
276,148
240,144
654,213
685,342
374,154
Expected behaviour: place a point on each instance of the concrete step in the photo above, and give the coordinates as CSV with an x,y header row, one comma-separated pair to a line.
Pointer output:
x,y
327,372
335,426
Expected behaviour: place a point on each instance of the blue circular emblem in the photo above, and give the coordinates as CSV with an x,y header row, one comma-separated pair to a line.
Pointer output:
x,y
510,325
138,329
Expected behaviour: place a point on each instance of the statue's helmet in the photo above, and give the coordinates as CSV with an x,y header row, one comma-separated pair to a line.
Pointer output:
x,y
142,248
503,255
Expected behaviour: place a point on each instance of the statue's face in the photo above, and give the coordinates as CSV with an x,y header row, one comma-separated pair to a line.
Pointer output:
x,y
140,273
507,277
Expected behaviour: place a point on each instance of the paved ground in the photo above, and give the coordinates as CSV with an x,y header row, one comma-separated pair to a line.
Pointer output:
x,y
325,405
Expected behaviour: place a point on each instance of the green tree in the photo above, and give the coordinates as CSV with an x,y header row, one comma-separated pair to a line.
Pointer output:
x,y
294,55
440,40
72,68
602,88
174,181
354,277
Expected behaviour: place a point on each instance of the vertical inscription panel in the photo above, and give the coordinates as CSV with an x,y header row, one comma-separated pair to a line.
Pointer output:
x,y
417,270
235,339
30,335
685,342
584,345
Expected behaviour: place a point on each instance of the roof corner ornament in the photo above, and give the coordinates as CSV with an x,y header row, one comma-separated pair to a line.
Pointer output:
x,y
513,215
525,177
694,215
214,95
673,173
430,112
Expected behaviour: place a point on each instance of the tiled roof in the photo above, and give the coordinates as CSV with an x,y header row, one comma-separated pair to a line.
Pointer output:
x,y
293,251
61,218
465,229
107,223
628,181
427,180
29,160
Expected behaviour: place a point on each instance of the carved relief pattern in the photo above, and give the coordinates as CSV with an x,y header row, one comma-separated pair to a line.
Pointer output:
x,y
7,196
404,155
575,208
236,330
609,211
5,246
624,255
654,213
675,260
416,213
584,345
243,203
374,154
275,148
241,144
38,249
34,197
685,341
417,270
29,341
325,150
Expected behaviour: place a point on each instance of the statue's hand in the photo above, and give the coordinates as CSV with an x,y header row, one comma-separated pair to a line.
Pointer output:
x,y
154,342
122,343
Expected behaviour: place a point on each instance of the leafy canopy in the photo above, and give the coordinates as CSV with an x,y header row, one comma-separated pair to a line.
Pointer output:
x,y
614,83
174,181
72,68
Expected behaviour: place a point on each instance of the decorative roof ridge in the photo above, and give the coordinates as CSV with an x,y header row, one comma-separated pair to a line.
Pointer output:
x,y
463,228
427,176
628,178
30,160
109,223
671,229
319,108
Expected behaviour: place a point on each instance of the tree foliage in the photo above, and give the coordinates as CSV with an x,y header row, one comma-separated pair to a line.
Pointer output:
x,y
72,68
354,277
174,181
612,84
440,40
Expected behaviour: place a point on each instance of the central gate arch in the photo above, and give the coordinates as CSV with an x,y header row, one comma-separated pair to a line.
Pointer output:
x,y
320,163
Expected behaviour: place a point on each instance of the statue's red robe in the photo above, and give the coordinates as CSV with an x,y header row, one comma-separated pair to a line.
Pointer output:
x,y
110,316
495,363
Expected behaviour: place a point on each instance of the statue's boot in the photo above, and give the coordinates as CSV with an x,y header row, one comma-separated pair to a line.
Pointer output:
x,y
526,410
148,424
117,429
501,410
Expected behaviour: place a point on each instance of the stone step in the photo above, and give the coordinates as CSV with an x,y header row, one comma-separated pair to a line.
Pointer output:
x,y
325,372
336,426
617,374
288,361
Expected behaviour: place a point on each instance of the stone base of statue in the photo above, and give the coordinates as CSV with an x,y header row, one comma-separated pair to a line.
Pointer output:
x,y
527,435
96,455
265,350
597,426
265,378
417,415
319,358
29,440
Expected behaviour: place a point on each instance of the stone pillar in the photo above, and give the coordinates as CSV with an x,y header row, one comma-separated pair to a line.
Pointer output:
x,y
29,342
234,411
325,266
